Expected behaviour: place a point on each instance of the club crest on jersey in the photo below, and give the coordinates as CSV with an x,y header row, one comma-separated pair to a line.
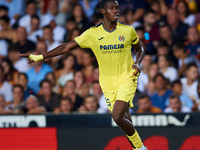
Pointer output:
x,y
121,38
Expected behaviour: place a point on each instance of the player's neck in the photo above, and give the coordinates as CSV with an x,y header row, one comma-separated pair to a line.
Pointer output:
x,y
108,25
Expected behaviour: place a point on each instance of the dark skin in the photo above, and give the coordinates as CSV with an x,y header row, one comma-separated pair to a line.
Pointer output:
x,y
120,112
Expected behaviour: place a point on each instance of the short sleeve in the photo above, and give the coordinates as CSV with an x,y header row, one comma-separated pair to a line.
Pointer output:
x,y
84,40
134,37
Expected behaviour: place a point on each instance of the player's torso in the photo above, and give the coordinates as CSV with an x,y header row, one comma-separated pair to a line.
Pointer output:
x,y
113,52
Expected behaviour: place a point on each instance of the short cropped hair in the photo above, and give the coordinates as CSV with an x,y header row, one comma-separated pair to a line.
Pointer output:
x,y
5,18
174,96
178,46
143,95
13,48
3,8
191,65
23,74
175,82
18,86
45,80
163,44
149,11
104,2
157,75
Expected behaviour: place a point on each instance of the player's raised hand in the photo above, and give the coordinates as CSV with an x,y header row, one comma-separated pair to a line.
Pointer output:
x,y
136,70
32,58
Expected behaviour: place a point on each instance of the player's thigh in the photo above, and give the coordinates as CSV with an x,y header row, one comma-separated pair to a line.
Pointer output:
x,y
126,92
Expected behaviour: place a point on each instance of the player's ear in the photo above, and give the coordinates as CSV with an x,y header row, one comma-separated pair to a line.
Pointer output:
x,y
103,11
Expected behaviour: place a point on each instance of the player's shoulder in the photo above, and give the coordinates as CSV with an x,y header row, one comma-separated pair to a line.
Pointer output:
x,y
123,25
96,26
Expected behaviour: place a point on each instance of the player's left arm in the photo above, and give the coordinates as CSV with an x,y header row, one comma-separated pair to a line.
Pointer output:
x,y
139,56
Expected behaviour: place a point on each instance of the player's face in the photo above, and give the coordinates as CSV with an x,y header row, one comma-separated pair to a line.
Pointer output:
x,y
111,11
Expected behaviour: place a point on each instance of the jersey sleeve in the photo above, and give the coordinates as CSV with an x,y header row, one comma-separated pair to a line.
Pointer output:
x,y
134,37
84,40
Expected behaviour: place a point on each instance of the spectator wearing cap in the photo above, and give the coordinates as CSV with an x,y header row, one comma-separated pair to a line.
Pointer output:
x,y
179,29
34,33
145,105
175,105
25,21
20,64
24,44
48,98
5,87
159,98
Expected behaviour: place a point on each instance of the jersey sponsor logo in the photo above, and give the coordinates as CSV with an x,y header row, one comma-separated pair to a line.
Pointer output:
x,y
121,38
101,38
111,47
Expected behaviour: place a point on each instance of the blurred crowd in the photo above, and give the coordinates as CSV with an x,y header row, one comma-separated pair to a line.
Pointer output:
x,y
169,31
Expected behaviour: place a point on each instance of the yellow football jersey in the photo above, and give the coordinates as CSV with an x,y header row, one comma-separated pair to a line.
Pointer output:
x,y
113,52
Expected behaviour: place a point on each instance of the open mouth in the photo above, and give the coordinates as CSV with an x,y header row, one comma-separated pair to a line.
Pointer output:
x,y
116,16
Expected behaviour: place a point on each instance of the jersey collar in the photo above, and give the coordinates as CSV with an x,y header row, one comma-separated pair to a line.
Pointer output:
x,y
108,30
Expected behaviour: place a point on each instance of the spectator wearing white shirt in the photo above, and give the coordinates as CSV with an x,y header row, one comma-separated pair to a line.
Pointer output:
x,y
143,78
175,105
34,32
3,49
169,72
5,87
25,21
190,82
20,63
48,37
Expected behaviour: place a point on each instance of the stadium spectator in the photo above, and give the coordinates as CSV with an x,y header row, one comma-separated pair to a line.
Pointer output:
x,y
97,92
51,77
150,88
20,64
23,81
150,26
176,87
138,7
58,31
5,87
96,73
37,73
24,44
159,99
190,82
166,69
2,104
78,52
4,47
145,105
81,89
3,11
90,104
48,37
175,105
65,105
160,8
18,99
89,7
129,19
183,58
15,7
32,106
53,13
34,33
48,98
69,91
80,18
6,32
67,69
143,78
72,34
193,44
9,71
197,103
179,29
69,26
88,65
25,21
184,13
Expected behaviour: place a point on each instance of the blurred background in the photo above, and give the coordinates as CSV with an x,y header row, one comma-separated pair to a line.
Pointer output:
x,y
58,104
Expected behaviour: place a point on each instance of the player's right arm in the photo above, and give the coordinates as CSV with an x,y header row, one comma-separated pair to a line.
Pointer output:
x,y
61,49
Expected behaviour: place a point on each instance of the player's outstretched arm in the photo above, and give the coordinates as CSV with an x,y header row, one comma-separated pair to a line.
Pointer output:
x,y
139,56
61,49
